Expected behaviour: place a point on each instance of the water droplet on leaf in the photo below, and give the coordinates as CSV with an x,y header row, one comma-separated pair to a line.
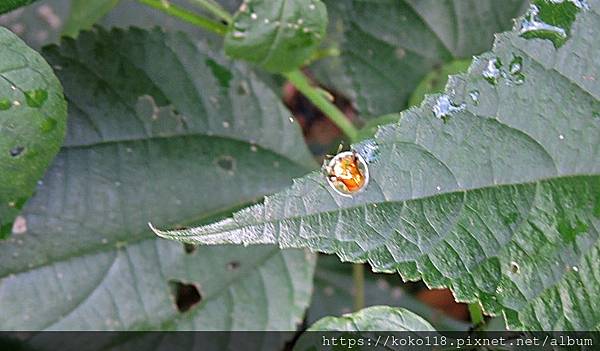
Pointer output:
x,y
492,71
551,19
474,95
444,108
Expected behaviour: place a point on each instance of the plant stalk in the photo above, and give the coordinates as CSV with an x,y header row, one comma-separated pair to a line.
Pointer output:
x,y
301,82
215,9
186,15
476,314
358,278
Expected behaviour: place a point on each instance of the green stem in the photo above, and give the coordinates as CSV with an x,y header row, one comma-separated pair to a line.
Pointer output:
x,y
476,314
187,16
214,9
358,278
301,82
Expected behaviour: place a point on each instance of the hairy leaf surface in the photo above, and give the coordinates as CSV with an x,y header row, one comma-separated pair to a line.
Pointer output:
x,y
163,130
497,197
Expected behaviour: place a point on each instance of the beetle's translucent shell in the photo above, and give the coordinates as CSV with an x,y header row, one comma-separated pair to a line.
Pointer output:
x,y
347,173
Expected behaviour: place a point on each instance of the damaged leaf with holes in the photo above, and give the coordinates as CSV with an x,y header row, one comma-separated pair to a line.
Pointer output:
x,y
179,149
491,189
277,35
32,125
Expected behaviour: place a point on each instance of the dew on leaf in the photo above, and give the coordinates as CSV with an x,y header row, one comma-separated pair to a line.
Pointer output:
x,y
575,268
5,104
515,69
474,95
36,98
253,148
16,151
48,125
561,137
492,71
16,103
444,108
368,149
551,19
253,15
225,124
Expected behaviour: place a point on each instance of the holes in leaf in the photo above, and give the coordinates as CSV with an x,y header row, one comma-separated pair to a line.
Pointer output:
x,y
233,265
186,295
514,267
16,151
189,248
227,163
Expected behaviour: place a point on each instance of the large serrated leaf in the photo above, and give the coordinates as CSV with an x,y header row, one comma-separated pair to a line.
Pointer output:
x,y
387,47
160,129
33,116
492,190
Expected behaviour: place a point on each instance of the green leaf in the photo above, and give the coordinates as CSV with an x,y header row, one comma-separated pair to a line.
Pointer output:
x,y
496,197
333,294
33,115
9,5
278,35
387,47
435,81
370,128
367,325
155,136
85,13
375,318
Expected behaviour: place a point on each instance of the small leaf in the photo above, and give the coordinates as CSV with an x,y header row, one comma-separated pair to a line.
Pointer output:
x,y
367,325
278,35
461,192
33,117
334,294
375,318
9,5
85,13
174,146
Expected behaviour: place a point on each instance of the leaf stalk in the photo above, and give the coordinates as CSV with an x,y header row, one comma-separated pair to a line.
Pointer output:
x,y
186,16
314,95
